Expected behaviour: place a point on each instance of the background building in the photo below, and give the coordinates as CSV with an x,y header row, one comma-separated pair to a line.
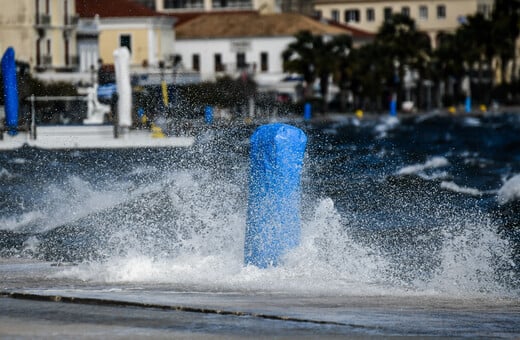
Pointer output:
x,y
264,6
431,16
148,35
247,44
42,32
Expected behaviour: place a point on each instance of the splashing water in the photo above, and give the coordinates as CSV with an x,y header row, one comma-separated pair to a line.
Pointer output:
x,y
181,223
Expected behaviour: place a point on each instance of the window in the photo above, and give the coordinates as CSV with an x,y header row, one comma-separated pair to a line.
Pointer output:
x,y
219,67
241,60
405,11
423,12
371,14
387,13
334,14
175,4
195,62
177,60
441,12
125,40
264,62
232,4
352,15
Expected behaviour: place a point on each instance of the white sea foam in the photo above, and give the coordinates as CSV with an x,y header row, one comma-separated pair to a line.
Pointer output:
x,y
143,170
18,223
77,198
386,124
510,190
5,174
471,121
432,163
469,259
18,160
461,189
327,261
434,175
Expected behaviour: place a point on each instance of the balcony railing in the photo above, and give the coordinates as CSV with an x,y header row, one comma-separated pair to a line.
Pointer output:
x,y
46,61
73,61
43,20
239,4
72,20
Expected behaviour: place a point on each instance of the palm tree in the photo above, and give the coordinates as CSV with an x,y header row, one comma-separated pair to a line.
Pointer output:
x,y
333,59
505,32
316,57
448,62
476,48
369,75
404,46
300,57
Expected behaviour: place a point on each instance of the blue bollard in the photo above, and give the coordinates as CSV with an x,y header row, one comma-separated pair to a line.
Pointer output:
x,y
468,104
393,106
307,111
10,91
273,215
208,115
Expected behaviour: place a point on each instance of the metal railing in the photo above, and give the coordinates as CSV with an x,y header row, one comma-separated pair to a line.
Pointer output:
x,y
43,20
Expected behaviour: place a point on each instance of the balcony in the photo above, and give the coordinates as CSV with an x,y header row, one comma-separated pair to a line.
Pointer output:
x,y
71,20
43,20
73,62
46,61
232,4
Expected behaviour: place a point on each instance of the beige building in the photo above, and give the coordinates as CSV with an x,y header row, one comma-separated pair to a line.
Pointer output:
x,y
147,34
42,33
263,6
431,16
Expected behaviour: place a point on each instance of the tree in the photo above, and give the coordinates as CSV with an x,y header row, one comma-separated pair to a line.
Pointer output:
x,y
448,62
368,75
505,32
403,46
300,57
333,61
316,57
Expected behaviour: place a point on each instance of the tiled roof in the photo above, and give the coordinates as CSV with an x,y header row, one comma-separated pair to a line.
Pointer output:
x,y
112,9
226,25
183,17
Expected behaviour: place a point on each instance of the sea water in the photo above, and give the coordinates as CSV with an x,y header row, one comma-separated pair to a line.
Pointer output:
x,y
396,209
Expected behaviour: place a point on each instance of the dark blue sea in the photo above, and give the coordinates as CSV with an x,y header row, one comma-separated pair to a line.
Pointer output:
x,y
416,217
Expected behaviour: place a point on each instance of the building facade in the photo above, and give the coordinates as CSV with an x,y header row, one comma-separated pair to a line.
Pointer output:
x,y
42,32
264,6
148,35
246,44
431,16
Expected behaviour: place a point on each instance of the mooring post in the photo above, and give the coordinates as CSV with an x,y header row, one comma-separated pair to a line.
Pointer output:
x,y
273,215
208,115
124,88
10,84
307,111
393,105
467,104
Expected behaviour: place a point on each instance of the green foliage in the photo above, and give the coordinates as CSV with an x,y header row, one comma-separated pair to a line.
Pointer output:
x,y
317,57
28,85
377,68
225,92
